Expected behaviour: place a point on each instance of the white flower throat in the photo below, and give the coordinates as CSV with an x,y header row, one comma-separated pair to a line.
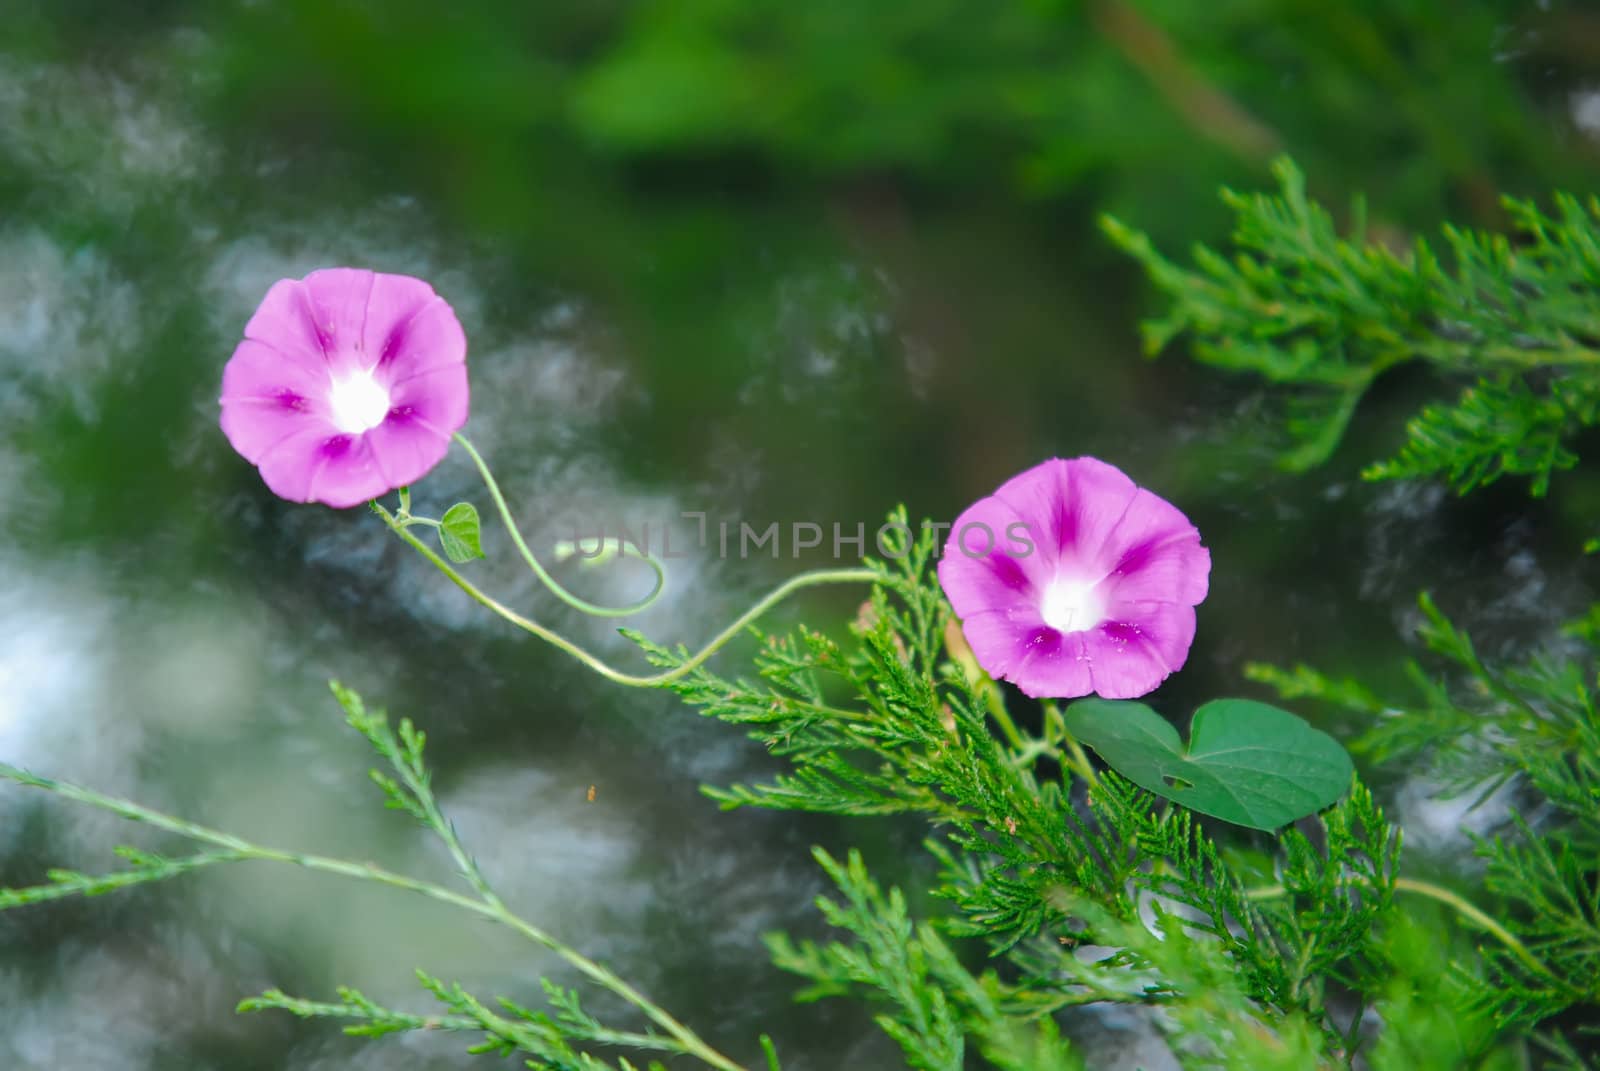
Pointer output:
x,y
1072,605
359,402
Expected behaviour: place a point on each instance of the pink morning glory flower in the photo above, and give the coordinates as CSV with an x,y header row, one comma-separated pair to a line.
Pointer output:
x,y
1070,579
348,384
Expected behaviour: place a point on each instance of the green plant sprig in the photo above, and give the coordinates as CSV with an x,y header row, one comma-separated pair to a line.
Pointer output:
x,y
1322,316
466,540
408,789
1024,827
1533,727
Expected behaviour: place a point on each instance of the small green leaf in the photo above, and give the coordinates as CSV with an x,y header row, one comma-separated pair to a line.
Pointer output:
x,y
1247,763
458,533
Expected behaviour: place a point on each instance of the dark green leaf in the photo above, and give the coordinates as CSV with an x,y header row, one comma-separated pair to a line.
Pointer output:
x,y
1247,763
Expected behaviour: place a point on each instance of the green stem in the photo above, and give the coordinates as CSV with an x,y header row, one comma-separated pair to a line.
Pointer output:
x,y
574,601
422,792
1462,906
1077,760
816,578
1035,749
489,908
996,701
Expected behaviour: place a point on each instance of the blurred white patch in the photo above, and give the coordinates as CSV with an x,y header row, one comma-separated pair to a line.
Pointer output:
x,y
548,851
824,326
96,137
1403,514
115,1004
1120,1038
67,322
415,1050
733,904
47,667
545,390
921,364
18,496
1442,825
350,931
564,863
58,714
193,668
1585,105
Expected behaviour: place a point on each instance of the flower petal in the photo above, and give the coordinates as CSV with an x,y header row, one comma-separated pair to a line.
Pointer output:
x,y
437,398
410,329
255,426
257,371
405,450
289,466
1138,647
1030,654
337,298
350,474
266,398
315,466
1157,555
988,564
286,322
1071,506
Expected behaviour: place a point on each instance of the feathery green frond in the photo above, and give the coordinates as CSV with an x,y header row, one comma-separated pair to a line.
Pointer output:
x,y
1514,319
892,723
1533,728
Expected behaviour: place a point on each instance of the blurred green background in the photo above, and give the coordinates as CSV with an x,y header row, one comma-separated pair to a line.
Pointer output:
x,y
772,262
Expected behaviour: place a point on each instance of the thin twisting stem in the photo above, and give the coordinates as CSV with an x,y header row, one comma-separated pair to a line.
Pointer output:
x,y
1463,907
574,601
816,578
490,908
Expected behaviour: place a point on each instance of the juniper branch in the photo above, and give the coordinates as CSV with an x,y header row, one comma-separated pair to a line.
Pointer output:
x,y
237,849
1322,316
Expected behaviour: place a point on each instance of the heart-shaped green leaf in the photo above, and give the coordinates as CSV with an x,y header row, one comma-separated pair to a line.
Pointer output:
x,y
458,533
1247,763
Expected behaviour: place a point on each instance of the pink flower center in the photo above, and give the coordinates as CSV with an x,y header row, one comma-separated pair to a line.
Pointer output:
x,y
359,403
1072,605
